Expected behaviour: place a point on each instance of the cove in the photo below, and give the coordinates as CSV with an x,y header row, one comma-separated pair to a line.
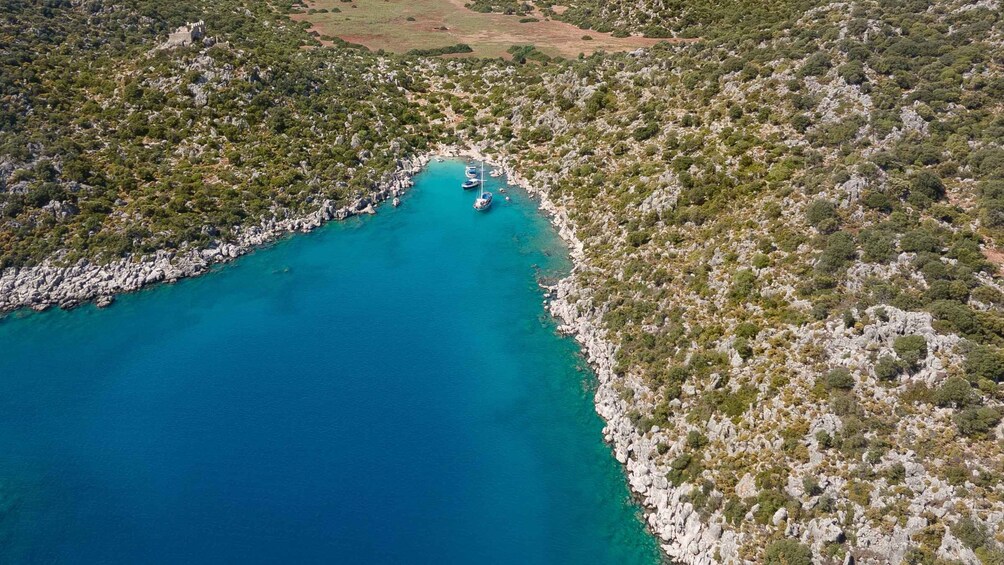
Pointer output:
x,y
382,390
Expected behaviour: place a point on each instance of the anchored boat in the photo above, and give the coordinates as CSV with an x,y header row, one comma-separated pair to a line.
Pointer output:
x,y
484,200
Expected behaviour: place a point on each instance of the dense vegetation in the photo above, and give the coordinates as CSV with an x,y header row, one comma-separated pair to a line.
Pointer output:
x,y
448,50
132,148
790,228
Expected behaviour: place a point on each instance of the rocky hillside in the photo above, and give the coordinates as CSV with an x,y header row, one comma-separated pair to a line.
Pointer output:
x,y
789,249
788,280
115,143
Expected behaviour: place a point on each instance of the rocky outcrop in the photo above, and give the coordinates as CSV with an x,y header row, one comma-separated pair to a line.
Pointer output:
x,y
52,283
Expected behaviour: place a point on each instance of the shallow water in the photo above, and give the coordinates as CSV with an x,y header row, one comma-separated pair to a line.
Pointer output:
x,y
383,390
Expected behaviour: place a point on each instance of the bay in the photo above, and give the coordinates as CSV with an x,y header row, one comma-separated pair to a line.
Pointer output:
x,y
386,389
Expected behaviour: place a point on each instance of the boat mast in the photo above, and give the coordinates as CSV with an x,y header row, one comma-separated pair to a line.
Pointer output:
x,y
482,186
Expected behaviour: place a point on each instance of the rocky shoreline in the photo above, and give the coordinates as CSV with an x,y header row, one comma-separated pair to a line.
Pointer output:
x,y
51,284
670,518
669,515
681,533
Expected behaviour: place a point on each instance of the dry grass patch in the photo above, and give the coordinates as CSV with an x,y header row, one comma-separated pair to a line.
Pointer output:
x,y
402,25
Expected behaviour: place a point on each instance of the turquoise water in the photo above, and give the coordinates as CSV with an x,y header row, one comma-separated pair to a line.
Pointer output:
x,y
383,390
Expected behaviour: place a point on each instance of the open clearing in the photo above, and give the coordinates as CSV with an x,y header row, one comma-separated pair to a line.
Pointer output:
x,y
402,25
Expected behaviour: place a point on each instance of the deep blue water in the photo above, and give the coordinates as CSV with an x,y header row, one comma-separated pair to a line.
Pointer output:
x,y
383,390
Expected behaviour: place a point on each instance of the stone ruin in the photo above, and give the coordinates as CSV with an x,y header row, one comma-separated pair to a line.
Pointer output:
x,y
186,35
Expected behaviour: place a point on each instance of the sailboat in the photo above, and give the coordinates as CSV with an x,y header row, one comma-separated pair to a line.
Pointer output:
x,y
484,200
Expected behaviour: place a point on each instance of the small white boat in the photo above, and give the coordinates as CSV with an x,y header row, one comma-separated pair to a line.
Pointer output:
x,y
396,202
470,183
439,159
495,173
472,172
484,200
502,190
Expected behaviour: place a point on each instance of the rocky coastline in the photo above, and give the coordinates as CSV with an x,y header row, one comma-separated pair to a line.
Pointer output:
x,y
53,284
679,529
681,533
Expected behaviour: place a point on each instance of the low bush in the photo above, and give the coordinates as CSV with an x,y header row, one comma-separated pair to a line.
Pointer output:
x,y
788,552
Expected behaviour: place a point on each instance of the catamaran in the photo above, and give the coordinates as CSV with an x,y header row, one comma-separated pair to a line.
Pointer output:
x,y
484,200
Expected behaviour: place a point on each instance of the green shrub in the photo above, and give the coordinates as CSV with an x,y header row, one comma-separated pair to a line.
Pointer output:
x,y
747,330
788,552
743,285
743,348
837,255
912,349
770,501
685,467
800,122
853,72
983,362
887,368
955,315
877,246
811,486
450,49
877,201
734,510
919,240
840,378
977,421
735,404
696,440
822,215
928,185
817,64
646,131
955,391
896,473
970,532
824,439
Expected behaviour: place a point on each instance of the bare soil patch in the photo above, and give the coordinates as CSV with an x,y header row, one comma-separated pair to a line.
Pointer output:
x,y
401,25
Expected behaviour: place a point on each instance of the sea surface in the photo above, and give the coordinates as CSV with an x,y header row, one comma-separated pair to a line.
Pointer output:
x,y
386,389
